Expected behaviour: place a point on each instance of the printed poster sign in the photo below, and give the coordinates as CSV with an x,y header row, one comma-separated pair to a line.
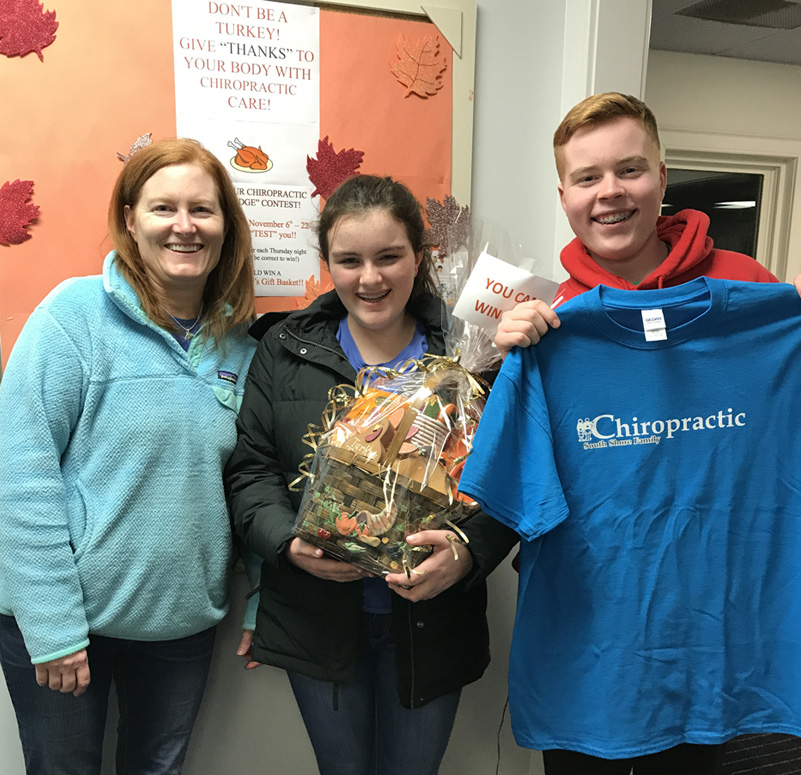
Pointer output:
x,y
247,85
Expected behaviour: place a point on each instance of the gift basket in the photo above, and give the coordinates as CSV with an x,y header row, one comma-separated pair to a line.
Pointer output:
x,y
387,462
388,455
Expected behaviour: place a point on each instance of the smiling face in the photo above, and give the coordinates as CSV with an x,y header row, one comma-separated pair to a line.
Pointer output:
x,y
611,189
373,265
178,226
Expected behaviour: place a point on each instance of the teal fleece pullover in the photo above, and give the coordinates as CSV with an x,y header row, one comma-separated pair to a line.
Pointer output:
x,y
112,443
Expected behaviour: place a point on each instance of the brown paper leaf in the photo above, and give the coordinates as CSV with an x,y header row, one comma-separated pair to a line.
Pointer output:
x,y
419,66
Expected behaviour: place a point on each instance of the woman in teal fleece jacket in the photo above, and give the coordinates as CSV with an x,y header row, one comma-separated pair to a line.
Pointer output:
x,y
117,415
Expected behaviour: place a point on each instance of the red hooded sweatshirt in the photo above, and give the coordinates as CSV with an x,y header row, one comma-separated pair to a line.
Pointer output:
x,y
691,255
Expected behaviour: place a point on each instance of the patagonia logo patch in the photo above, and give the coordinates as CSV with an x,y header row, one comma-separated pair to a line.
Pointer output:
x,y
228,376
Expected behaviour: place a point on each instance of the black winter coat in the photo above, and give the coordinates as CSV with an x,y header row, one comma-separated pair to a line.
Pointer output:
x,y
307,624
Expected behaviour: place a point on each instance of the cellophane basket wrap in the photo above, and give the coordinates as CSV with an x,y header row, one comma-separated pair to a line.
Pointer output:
x,y
386,463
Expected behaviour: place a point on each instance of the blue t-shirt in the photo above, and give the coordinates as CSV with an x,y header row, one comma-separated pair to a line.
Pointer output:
x,y
415,349
657,485
376,597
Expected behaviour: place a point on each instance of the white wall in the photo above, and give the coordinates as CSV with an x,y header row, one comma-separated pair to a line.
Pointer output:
x,y
10,750
723,95
517,108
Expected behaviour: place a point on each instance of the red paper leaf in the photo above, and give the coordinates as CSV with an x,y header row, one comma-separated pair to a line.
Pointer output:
x,y
330,169
419,67
25,26
15,214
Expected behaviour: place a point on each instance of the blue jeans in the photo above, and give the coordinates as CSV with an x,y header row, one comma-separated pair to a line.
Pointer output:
x,y
361,728
159,688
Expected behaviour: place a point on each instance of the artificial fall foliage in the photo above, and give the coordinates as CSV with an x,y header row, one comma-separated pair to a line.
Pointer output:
x,y
449,223
313,290
24,27
15,211
331,168
419,66
141,142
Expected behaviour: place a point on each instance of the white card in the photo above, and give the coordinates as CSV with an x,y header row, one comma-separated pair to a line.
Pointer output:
x,y
495,286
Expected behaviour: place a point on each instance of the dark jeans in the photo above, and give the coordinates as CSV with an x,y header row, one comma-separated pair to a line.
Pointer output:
x,y
685,759
159,688
361,728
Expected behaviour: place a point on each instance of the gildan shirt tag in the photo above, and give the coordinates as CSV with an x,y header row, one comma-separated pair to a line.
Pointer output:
x,y
653,323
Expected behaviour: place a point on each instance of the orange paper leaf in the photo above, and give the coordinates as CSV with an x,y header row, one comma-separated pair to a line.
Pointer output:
x,y
313,290
420,66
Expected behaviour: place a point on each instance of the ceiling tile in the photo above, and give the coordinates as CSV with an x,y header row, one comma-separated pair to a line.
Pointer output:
x,y
784,47
695,36
666,7
670,32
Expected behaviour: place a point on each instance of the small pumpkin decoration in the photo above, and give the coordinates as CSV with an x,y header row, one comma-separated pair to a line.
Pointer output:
x,y
345,524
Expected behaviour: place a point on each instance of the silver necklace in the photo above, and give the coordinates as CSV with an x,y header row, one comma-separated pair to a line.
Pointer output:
x,y
188,332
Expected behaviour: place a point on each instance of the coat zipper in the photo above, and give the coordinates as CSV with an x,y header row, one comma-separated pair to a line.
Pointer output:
x,y
315,344
340,355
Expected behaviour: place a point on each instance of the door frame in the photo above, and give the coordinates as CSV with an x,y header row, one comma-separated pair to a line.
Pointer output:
x,y
777,160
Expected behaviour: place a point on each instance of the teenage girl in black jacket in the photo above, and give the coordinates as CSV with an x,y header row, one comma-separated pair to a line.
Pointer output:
x,y
377,668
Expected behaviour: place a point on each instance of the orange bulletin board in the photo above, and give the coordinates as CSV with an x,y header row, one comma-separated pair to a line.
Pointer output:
x,y
108,78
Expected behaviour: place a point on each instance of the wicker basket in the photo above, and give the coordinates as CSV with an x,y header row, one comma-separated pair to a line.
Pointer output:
x,y
363,499
330,515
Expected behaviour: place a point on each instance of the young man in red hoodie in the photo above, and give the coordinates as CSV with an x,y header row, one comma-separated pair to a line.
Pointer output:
x,y
611,183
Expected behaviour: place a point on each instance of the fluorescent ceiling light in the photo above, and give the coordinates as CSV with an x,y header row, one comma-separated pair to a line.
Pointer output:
x,y
741,205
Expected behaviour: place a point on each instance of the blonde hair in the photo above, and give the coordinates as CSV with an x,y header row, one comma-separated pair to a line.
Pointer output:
x,y
599,109
228,297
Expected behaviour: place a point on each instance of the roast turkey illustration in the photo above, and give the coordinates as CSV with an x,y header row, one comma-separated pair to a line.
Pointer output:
x,y
249,157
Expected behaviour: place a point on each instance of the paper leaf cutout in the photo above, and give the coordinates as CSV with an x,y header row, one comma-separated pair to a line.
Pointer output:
x,y
24,27
15,213
313,290
141,142
330,169
450,223
420,66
